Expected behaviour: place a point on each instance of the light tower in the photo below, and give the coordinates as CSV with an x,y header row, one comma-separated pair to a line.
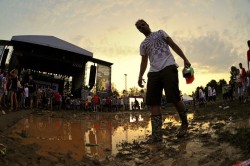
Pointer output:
x,y
125,81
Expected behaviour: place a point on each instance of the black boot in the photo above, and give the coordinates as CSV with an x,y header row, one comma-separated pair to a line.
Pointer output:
x,y
156,123
184,124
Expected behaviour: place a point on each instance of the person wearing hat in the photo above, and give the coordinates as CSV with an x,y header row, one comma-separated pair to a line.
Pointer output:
x,y
163,74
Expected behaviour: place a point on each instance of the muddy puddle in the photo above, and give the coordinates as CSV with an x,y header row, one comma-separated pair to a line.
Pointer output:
x,y
99,134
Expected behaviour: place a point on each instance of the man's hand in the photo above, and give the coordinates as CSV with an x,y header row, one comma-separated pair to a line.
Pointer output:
x,y
140,80
187,63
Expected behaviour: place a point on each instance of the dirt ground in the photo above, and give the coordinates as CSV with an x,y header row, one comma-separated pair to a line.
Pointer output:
x,y
218,135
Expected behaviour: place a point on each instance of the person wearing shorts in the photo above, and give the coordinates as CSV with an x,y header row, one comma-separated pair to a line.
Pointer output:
x,y
162,75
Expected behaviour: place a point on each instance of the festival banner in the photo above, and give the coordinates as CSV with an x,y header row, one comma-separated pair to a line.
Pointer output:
x,y
103,79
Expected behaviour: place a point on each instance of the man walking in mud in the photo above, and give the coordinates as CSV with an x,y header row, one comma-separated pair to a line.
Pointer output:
x,y
163,74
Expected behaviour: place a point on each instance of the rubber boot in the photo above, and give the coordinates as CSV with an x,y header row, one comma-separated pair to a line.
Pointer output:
x,y
156,123
184,123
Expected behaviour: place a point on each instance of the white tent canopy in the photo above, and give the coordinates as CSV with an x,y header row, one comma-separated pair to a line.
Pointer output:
x,y
53,42
186,97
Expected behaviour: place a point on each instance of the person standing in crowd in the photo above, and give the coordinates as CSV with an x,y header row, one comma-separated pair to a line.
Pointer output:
x,y
209,93
243,77
1,88
214,94
163,74
32,90
4,84
122,104
231,90
240,86
194,98
89,102
108,104
248,54
96,102
20,94
26,96
13,89
39,93
136,105
57,97
1,81
103,103
202,98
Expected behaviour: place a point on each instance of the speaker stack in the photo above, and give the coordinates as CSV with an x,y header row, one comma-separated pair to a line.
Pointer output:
x,y
92,76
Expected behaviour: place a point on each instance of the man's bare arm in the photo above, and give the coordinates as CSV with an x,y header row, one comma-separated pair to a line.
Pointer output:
x,y
178,51
143,67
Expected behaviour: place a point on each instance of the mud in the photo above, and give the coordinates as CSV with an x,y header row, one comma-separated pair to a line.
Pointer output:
x,y
216,136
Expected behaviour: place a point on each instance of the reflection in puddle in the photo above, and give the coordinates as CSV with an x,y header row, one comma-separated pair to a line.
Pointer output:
x,y
93,134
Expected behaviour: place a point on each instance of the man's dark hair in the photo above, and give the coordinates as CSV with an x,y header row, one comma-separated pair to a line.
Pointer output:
x,y
248,43
140,20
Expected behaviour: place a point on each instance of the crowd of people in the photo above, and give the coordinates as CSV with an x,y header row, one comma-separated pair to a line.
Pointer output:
x,y
201,97
17,94
98,103
238,88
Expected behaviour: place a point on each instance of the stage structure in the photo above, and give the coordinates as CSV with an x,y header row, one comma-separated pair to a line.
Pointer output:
x,y
48,54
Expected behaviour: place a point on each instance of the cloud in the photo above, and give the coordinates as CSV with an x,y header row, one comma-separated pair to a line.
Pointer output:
x,y
210,51
213,34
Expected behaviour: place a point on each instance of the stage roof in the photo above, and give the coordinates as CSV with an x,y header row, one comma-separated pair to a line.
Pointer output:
x,y
51,41
49,54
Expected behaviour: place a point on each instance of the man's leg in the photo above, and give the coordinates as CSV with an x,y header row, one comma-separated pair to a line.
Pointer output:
x,y
180,107
156,123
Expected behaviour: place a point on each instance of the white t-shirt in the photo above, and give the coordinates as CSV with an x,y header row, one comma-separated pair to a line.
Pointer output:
x,y
248,82
122,103
209,90
89,98
158,51
26,91
214,92
200,93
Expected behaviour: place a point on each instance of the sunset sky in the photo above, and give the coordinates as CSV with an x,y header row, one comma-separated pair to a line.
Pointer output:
x,y
213,34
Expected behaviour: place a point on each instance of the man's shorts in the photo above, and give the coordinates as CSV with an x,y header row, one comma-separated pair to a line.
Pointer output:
x,y
166,79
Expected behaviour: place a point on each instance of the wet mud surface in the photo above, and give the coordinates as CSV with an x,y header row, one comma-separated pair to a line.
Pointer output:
x,y
216,136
